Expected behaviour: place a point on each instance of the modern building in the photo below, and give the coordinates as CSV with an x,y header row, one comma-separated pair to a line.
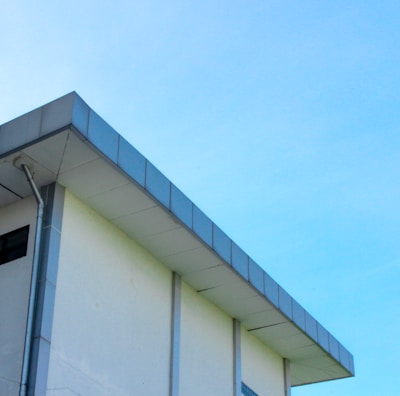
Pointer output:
x,y
112,282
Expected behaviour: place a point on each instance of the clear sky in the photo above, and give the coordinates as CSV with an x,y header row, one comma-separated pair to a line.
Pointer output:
x,y
280,119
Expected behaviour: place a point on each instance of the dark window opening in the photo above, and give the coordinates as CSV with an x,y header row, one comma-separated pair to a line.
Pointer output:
x,y
246,391
14,244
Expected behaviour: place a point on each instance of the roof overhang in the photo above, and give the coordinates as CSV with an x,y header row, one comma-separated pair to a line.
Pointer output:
x,y
67,142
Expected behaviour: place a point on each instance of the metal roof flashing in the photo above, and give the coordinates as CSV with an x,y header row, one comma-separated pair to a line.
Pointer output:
x,y
65,141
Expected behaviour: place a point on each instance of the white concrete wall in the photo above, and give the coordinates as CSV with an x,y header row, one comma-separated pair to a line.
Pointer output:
x,y
112,322
262,368
111,329
206,347
15,277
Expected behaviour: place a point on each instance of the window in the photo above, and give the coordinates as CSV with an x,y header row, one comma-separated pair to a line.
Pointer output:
x,y
14,244
246,391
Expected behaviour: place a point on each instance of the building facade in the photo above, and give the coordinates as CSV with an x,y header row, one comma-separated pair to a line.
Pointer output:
x,y
112,282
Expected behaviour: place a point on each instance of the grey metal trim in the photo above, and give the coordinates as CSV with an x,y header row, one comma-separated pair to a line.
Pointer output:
x,y
175,334
286,373
237,359
53,196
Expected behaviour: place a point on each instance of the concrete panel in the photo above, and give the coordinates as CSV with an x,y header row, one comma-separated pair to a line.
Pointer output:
x,y
157,184
256,276
76,153
131,161
48,153
57,114
311,326
80,115
222,244
323,337
285,302
112,320
181,206
206,347
298,315
262,369
92,178
20,131
240,261
103,136
202,225
120,201
334,347
271,289
15,279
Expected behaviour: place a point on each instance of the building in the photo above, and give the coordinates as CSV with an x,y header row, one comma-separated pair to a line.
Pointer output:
x,y
134,290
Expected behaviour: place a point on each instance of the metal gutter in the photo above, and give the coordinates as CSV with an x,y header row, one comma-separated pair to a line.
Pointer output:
x,y
32,293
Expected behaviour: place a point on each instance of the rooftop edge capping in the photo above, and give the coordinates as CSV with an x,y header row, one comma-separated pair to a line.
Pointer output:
x,y
71,111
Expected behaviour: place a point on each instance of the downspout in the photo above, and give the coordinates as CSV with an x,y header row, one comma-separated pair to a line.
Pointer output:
x,y
34,278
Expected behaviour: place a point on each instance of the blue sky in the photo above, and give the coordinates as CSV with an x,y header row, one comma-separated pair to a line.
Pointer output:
x,y
280,119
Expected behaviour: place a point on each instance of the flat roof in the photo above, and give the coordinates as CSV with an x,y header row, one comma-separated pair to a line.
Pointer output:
x,y
65,141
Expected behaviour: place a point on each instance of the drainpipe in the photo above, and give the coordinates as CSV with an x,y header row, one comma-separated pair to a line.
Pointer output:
x,y
34,279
